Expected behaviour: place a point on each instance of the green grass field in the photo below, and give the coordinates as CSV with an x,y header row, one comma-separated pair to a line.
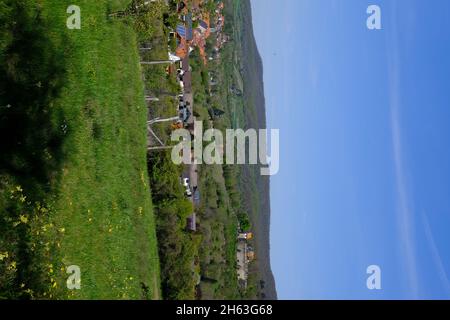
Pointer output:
x,y
95,209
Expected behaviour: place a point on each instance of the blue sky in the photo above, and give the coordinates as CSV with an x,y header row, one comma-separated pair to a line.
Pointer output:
x,y
364,157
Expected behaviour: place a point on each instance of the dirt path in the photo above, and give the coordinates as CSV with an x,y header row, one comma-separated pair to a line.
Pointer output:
x,y
156,293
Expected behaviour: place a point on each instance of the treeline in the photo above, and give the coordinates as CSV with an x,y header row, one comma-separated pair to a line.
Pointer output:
x,y
178,249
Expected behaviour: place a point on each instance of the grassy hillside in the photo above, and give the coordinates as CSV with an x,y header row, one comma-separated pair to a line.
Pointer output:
x,y
74,184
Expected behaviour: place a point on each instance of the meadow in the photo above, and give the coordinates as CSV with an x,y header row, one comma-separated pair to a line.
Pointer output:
x,y
74,185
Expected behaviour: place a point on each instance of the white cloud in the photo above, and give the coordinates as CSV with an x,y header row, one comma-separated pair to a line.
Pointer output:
x,y
405,212
435,255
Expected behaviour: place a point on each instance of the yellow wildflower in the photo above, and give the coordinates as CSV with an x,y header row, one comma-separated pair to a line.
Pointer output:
x,y
23,219
143,179
12,266
3,255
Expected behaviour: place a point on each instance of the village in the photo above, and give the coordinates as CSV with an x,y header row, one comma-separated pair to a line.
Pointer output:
x,y
195,26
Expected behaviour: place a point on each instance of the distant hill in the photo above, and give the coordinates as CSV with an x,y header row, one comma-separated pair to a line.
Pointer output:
x,y
257,187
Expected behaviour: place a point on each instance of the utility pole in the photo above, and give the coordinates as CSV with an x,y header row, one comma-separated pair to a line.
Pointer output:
x,y
158,120
156,137
157,62
159,148
152,99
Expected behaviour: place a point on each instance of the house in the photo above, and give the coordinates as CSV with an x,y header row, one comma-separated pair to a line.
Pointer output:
x,y
182,49
245,236
184,31
203,26
181,31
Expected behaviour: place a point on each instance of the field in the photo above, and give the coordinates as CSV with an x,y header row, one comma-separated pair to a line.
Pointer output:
x,y
74,186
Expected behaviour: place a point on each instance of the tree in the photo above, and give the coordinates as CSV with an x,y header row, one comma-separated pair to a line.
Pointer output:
x,y
244,222
147,16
